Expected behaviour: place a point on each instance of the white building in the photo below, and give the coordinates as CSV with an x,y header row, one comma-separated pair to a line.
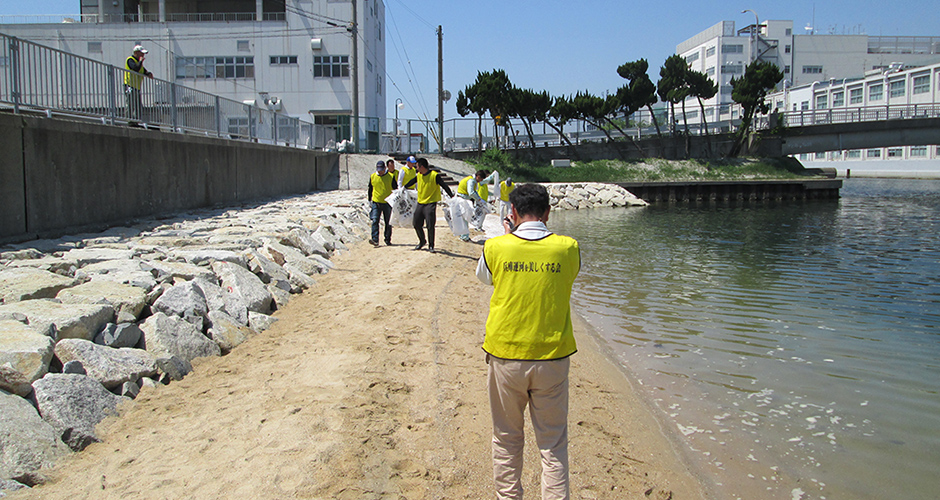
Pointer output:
x,y
294,56
723,52
909,91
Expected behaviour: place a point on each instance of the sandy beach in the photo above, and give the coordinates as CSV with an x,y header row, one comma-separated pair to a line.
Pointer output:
x,y
371,385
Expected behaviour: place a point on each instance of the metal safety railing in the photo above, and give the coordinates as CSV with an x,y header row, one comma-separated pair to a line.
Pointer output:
x,y
36,78
860,114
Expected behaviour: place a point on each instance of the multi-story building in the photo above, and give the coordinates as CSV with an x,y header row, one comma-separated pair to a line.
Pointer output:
x,y
293,56
723,52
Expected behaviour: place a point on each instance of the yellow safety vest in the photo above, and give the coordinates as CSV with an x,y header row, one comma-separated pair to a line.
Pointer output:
x,y
133,78
462,185
381,186
483,191
410,173
428,190
504,190
530,313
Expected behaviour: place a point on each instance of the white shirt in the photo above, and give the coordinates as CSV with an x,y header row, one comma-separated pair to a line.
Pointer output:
x,y
534,230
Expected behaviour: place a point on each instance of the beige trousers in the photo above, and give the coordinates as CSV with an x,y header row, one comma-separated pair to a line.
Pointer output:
x,y
543,387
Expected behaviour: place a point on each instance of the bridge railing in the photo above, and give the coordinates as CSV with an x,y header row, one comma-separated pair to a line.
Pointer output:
x,y
35,78
859,114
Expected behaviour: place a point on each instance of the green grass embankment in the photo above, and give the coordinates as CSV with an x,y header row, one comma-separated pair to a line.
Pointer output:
x,y
649,170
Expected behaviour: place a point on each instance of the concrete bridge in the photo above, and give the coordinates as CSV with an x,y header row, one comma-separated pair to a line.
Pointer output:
x,y
857,128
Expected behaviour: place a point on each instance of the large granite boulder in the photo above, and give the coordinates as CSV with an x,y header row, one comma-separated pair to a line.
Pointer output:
x,y
111,367
226,331
218,299
70,321
127,272
166,336
85,256
73,405
119,335
27,443
241,282
26,283
184,271
128,301
185,300
24,356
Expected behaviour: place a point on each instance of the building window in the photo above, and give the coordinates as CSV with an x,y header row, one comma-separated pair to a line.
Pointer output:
x,y
874,153
283,60
812,70
786,69
838,99
215,67
918,151
820,155
855,153
804,105
822,101
732,69
94,48
732,49
855,96
786,49
378,84
243,46
895,152
691,57
876,92
921,84
789,32
897,88
4,61
710,71
710,51
330,66
726,90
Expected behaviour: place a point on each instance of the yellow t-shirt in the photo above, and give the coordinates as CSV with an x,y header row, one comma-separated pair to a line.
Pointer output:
x,y
530,311
381,186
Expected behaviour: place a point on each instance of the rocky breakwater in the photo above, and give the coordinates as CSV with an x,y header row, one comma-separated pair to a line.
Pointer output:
x,y
87,321
586,195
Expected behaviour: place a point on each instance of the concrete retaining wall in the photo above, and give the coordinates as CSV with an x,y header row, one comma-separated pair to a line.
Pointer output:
x,y
57,176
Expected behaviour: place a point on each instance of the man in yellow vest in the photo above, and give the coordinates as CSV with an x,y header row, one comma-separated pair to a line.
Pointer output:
x,y
505,188
429,184
528,341
133,78
381,184
408,171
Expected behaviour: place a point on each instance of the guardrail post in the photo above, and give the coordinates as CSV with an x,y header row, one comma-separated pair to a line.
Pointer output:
x,y
15,65
218,116
251,124
173,109
274,125
112,97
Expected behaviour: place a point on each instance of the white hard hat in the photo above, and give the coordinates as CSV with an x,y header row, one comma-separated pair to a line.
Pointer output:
x,y
141,49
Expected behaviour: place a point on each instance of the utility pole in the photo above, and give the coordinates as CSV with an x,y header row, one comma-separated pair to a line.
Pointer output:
x,y
354,74
440,89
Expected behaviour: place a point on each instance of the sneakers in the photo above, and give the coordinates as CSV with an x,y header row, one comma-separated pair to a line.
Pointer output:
x,y
374,243
388,242
432,250
419,246
465,237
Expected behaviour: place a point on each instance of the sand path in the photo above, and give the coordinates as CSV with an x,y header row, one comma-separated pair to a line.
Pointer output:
x,y
371,385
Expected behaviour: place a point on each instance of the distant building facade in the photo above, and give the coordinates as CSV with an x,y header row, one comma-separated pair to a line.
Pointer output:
x,y
723,52
293,56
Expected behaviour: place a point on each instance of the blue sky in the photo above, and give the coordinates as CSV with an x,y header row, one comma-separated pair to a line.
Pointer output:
x,y
567,46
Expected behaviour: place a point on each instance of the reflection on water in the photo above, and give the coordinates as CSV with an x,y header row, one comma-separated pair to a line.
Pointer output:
x,y
795,346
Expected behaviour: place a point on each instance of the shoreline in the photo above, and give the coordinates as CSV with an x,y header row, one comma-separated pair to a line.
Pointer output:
x,y
414,421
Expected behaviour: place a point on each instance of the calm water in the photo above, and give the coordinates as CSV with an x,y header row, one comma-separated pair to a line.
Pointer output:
x,y
795,349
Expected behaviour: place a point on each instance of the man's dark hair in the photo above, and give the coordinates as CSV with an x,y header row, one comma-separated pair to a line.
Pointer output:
x,y
423,162
530,199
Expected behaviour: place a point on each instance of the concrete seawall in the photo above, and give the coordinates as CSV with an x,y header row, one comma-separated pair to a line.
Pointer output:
x,y
57,176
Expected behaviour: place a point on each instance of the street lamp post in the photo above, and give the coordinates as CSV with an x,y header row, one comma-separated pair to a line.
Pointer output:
x,y
754,34
399,104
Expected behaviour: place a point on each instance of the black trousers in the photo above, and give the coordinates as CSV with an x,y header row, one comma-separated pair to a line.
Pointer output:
x,y
425,215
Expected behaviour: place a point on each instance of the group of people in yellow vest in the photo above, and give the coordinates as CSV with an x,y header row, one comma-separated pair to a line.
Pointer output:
x,y
529,336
